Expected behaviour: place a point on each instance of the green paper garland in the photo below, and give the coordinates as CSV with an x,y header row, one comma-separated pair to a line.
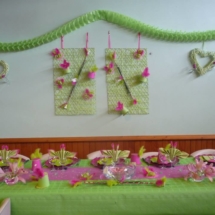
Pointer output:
x,y
112,17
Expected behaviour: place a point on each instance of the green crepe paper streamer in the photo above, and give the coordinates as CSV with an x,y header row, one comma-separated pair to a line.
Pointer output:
x,y
112,17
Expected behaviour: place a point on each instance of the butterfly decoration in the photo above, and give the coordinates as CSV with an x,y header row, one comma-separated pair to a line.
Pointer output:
x,y
146,73
87,94
56,53
138,54
59,82
109,68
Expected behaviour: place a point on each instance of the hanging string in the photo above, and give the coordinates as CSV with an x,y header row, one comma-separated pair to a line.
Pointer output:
x,y
87,39
109,41
203,44
62,45
139,40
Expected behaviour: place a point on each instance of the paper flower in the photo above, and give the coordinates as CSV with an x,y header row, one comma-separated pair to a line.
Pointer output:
x,y
59,82
149,172
109,68
115,154
209,172
121,108
87,94
146,73
56,53
138,54
36,154
161,182
65,66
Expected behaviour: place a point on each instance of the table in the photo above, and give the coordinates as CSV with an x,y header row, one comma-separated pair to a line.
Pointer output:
x,y
177,197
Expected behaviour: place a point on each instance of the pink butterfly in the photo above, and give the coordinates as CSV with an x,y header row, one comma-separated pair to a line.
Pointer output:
x,y
87,94
65,65
109,68
56,53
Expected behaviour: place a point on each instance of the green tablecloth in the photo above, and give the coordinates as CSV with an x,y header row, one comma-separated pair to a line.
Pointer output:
x,y
177,197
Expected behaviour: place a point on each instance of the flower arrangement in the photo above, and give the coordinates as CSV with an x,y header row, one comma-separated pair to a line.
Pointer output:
x,y
171,152
16,170
115,154
5,153
199,170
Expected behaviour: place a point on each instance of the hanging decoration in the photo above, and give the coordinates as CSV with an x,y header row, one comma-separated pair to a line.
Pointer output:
x,y
5,69
111,17
127,93
196,66
71,80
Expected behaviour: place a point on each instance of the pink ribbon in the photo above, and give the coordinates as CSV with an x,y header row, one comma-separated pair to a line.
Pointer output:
x,y
62,46
87,39
109,41
139,40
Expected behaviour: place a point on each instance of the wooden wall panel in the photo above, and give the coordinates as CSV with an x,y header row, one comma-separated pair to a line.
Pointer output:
x,y
85,145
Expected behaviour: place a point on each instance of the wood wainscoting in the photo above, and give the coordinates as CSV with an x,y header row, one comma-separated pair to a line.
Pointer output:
x,y
85,145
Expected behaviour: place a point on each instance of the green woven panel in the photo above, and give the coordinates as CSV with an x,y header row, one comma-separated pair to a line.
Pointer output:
x,y
131,69
77,105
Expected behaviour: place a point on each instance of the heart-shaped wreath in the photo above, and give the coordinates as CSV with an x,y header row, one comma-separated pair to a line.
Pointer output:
x,y
202,70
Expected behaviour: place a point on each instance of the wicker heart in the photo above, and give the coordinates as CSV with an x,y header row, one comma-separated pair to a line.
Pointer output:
x,y
202,70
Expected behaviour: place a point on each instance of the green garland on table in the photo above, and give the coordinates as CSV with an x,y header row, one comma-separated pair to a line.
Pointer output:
x,y
112,17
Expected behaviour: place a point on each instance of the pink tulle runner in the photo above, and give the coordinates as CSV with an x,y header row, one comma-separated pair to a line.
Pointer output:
x,y
74,173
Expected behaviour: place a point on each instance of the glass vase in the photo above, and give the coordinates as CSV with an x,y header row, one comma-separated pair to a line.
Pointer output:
x,y
10,178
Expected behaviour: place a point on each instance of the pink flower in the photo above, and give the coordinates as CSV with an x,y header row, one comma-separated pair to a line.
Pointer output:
x,y
160,182
200,164
145,72
210,172
65,65
119,106
109,68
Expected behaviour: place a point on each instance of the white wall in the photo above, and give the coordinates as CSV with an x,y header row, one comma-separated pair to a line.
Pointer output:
x,y
179,102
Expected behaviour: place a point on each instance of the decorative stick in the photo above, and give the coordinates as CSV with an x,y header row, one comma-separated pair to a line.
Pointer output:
x,y
65,105
126,86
